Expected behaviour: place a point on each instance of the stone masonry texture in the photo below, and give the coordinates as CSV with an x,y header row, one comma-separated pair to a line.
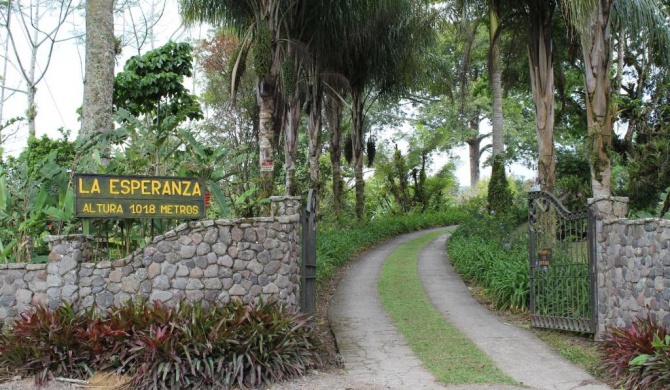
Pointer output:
x,y
205,261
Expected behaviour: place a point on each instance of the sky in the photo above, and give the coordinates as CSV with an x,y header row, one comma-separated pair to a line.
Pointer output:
x,y
60,93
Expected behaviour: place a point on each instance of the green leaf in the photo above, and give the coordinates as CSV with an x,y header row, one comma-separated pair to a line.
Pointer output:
x,y
4,191
43,259
4,255
41,200
56,213
248,193
640,360
220,198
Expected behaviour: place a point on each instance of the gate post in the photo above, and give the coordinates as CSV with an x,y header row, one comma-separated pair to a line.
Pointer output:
x,y
601,209
308,256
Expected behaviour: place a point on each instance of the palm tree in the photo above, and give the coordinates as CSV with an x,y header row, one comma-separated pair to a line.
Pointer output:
x,y
540,61
259,22
380,56
497,130
593,21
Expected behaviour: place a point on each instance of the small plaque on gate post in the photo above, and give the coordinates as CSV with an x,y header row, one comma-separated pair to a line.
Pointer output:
x,y
544,258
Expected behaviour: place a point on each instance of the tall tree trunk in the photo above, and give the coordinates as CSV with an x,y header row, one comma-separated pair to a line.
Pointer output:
x,y
99,69
292,119
334,116
266,102
474,152
314,128
496,84
597,51
31,111
540,60
357,146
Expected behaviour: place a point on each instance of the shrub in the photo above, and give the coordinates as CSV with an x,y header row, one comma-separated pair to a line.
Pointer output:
x,y
338,243
499,196
489,251
188,346
45,343
637,357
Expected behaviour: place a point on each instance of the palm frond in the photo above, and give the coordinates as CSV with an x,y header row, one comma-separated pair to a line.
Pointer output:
x,y
579,13
648,19
235,13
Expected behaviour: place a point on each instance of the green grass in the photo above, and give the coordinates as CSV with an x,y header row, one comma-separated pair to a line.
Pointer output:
x,y
340,242
578,350
443,349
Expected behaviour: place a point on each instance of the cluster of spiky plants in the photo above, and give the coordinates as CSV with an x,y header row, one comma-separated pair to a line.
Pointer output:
x,y
638,356
188,346
486,251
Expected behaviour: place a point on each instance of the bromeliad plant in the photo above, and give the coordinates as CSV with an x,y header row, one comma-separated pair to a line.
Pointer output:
x,y
188,346
638,356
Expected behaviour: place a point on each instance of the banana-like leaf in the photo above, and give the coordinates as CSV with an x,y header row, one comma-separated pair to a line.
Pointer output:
x,y
41,200
68,205
56,213
220,198
4,191
242,198
4,255
193,143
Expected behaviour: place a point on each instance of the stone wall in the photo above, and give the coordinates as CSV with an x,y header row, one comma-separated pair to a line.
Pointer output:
x,y
633,271
208,261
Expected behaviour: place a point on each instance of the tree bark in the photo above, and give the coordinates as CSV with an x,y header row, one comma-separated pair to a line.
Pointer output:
x,y
266,103
540,61
31,111
474,153
357,141
334,116
99,68
314,128
597,50
496,84
291,142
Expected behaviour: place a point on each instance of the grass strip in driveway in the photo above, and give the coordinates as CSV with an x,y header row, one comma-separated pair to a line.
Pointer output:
x,y
443,349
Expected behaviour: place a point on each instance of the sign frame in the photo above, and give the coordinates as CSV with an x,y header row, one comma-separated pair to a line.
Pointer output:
x,y
135,196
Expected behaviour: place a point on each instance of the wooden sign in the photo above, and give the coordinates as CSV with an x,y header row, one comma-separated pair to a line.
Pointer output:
x,y
138,197
544,258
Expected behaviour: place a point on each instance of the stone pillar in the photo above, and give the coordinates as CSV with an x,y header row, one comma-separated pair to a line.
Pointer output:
x,y
608,207
67,253
285,205
604,209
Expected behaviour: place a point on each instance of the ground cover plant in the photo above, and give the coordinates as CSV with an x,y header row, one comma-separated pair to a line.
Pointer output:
x,y
339,242
491,253
638,356
488,251
445,351
188,346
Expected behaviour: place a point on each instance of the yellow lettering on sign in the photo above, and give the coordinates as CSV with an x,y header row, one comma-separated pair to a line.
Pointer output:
x,y
95,187
196,189
166,188
112,186
176,188
155,187
145,187
87,208
188,185
110,208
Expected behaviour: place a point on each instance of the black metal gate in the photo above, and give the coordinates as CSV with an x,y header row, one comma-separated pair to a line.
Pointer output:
x,y
562,265
308,256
